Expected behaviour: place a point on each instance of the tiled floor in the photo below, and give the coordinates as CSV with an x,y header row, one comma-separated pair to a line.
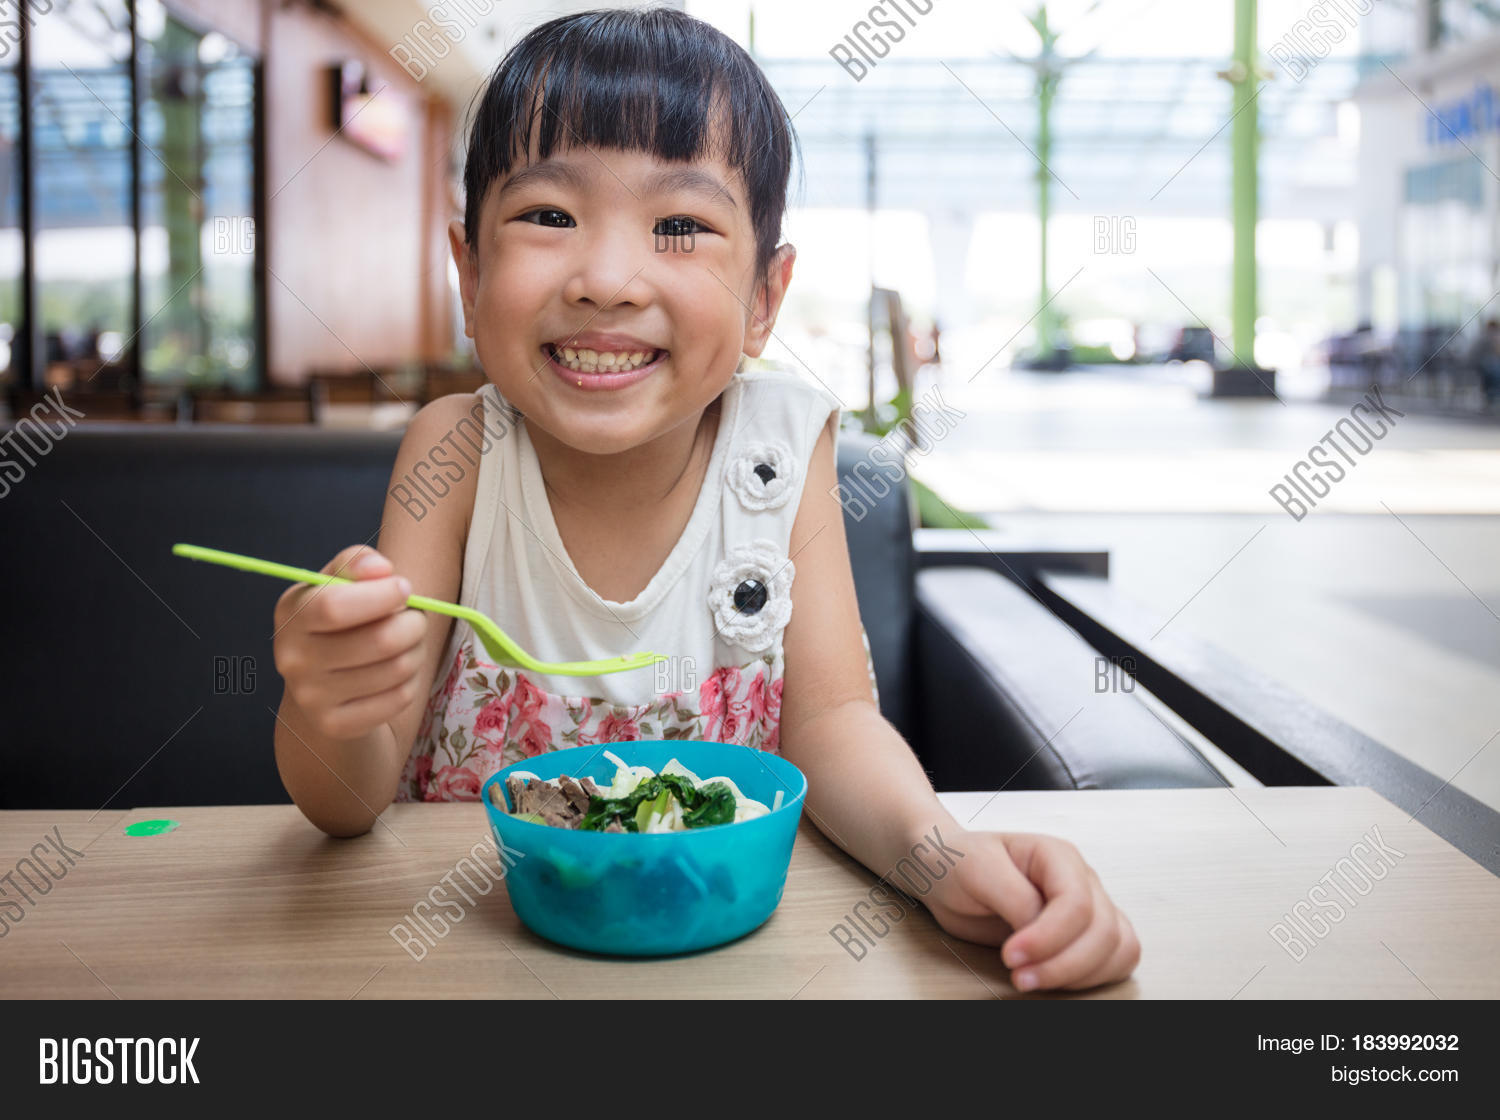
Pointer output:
x,y
1382,605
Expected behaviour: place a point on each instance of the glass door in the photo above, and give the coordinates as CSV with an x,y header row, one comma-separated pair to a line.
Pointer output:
x,y
198,233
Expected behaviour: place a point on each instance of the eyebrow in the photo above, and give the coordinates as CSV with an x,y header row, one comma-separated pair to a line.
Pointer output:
x,y
690,180
548,171
667,181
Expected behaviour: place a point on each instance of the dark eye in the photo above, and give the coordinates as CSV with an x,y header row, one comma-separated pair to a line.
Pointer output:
x,y
547,216
679,225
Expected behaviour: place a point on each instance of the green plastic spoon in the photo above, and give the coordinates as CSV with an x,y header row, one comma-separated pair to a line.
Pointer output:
x,y
497,643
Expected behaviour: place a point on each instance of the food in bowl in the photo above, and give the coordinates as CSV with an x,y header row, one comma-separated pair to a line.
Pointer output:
x,y
638,799
646,894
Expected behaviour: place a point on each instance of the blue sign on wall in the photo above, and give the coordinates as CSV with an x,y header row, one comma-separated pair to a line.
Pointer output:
x,y
1452,122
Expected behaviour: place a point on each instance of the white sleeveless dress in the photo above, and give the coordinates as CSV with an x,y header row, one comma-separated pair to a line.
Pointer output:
x,y
718,606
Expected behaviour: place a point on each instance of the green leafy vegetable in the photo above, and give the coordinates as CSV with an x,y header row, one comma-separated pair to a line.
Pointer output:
x,y
649,809
713,804
716,806
602,810
682,788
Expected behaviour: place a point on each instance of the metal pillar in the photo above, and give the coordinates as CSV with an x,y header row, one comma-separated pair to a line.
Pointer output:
x,y
1047,75
1244,74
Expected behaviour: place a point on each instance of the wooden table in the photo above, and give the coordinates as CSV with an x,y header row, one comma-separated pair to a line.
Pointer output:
x,y
252,901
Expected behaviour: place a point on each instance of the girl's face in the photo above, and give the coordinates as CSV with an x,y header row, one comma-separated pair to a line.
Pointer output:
x,y
644,269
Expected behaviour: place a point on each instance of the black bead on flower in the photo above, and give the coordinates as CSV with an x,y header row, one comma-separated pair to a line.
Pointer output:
x,y
750,596
765,472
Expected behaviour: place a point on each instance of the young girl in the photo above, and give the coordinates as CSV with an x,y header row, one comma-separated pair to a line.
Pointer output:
x,y
620,486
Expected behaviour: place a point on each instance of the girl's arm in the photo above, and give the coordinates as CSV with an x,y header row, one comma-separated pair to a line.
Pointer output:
x,y
1033,895
867,792
358,665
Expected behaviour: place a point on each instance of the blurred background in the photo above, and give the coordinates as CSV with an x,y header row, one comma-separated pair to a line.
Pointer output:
x,y
1150,252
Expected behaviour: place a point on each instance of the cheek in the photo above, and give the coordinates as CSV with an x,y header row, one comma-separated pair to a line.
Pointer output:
x,y
716,340
498,294
517,278
506,311
706,317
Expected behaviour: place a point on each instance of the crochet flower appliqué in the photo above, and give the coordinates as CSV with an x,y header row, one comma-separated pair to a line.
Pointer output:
x,y
761,475
751,595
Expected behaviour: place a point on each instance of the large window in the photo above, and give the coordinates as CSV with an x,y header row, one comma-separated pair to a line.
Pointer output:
x,y
198,236
12,244
1445,245
142,141
84,241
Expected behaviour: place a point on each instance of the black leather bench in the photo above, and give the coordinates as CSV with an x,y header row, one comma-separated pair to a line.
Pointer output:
x,y
134,678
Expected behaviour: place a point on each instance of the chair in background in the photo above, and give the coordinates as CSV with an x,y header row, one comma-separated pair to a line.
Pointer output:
x,y
358,387
277,406
365,399
89,375
441,381
903,359
111,407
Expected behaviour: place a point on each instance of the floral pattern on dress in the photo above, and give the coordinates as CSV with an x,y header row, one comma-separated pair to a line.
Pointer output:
x,y
483,717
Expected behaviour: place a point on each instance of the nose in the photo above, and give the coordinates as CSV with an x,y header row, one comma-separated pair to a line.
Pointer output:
x,y
609,269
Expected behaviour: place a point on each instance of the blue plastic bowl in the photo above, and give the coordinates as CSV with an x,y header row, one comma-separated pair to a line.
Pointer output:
x,y
651,894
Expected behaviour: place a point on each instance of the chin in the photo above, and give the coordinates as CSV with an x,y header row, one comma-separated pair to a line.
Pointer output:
x,y
605,435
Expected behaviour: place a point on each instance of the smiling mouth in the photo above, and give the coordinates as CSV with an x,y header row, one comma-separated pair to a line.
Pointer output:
x,y
608,361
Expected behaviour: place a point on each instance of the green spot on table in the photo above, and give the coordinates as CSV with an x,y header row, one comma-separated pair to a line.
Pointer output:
x,y
150,828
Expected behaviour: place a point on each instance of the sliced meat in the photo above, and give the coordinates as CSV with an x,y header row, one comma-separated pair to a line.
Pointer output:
x,y
578,793
561,802
519,796
542,799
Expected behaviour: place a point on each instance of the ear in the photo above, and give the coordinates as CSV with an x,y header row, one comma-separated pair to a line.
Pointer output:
x,y
468,272
771,292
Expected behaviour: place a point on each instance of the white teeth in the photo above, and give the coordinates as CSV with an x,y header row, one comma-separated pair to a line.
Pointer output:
x,y
593,361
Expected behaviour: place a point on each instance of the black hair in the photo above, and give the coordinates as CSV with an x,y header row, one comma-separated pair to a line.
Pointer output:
x,y
654,80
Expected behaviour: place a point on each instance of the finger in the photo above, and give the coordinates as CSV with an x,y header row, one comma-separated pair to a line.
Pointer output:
x,y
371,680
356,717
370,644
1002,889
1063,878
1082,957
334,609
359,561
1121,963
356,562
